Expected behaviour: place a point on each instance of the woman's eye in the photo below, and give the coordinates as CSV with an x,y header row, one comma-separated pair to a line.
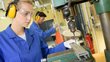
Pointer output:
x,y
26,14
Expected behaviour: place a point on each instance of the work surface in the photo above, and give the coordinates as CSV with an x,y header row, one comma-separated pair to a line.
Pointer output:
x,y
99,57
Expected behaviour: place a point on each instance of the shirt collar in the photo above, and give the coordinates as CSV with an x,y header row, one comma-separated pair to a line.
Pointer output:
x,y
12,34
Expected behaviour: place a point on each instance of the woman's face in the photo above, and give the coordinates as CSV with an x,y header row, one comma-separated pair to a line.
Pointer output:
x,y
24,14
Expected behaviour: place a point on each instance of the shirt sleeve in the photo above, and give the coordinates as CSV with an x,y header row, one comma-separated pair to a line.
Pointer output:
x,y
43,34
46,50
1,57
48,33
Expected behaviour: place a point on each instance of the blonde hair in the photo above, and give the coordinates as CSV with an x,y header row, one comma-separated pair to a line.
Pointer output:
x,y
18,5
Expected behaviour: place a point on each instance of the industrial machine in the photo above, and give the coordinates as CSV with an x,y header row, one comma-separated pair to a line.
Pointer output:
x,y
77,53
103,10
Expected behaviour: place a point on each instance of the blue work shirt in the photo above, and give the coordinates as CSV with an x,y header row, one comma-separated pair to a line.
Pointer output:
x,y
15,49
43,34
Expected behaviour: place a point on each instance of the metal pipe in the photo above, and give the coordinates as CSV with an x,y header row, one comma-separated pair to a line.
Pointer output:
x,y
105,22
102,8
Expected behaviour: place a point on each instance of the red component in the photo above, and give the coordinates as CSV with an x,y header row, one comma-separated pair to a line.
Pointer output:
x,y
89,41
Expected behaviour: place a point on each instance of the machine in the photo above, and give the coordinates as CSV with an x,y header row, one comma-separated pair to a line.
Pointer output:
x,y
77,53
103,10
